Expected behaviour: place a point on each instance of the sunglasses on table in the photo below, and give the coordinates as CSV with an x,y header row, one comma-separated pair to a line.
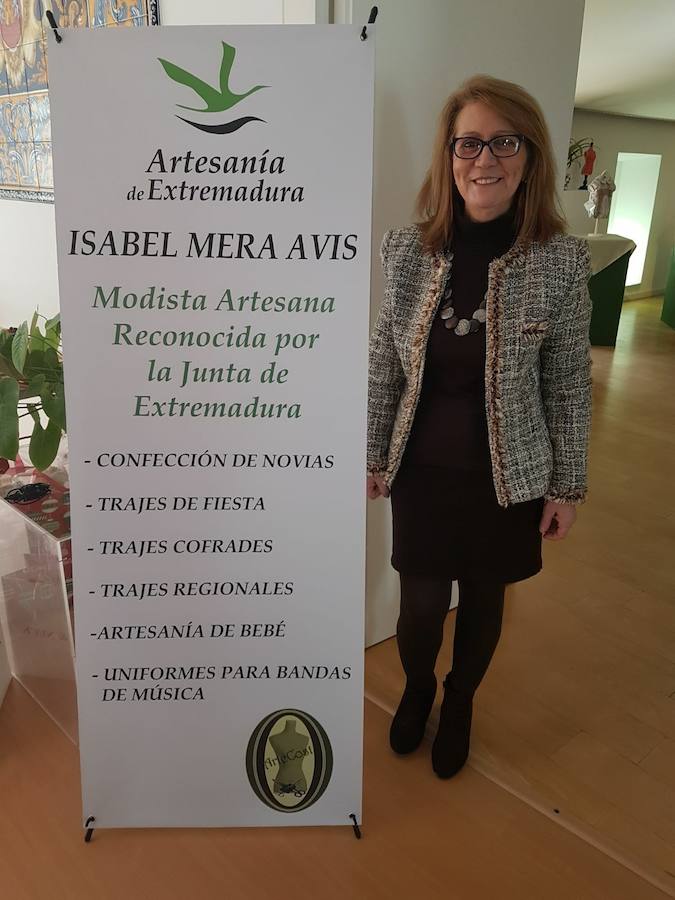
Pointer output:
x,y
28,493
502,146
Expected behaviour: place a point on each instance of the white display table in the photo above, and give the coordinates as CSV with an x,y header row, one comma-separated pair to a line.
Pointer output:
x,y
606,249
36,596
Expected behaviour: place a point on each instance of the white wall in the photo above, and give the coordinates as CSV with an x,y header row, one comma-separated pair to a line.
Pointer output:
x,y
28,261
424,50
626,134
243,12
221,12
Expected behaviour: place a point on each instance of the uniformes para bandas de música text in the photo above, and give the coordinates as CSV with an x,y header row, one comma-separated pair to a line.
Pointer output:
x,y
210,673
159,692
181,674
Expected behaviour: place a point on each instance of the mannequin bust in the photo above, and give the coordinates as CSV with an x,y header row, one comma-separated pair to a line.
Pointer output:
x,y
291,748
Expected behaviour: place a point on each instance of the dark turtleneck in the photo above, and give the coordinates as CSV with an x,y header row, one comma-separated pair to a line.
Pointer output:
x,y
450,427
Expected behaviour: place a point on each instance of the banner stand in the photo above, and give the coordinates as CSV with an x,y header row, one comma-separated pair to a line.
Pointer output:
x,y
89,825
90,822
371,21
364,33
52,24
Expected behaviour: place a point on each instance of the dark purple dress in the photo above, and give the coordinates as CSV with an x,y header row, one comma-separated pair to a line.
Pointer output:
x,y
446,518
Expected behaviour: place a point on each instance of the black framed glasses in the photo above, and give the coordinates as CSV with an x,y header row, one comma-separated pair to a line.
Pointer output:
x,y
502,146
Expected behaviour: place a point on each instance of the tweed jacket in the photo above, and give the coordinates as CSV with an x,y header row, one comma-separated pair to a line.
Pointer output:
x,y
537,370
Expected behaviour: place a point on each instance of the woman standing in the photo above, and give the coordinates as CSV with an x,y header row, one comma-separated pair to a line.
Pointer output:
x,y
479,394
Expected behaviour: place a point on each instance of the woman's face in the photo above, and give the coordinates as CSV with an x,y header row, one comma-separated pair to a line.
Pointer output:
x,y
487,184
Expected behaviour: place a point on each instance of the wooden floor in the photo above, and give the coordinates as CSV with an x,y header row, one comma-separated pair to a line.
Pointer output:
x,y
577,711
576,717
464,839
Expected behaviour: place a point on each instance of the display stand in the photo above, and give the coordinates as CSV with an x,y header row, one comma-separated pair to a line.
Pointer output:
x,y
36,582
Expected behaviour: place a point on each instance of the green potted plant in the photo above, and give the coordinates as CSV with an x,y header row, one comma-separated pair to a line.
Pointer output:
x,y
31,383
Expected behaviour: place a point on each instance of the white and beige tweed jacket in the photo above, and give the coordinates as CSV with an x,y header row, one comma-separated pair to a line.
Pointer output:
x,y
537,370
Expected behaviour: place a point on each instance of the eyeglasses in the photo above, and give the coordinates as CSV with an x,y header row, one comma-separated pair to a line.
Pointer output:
x,y
28,493
501,146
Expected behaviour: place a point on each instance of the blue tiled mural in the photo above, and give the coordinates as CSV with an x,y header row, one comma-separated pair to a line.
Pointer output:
x,y
25,132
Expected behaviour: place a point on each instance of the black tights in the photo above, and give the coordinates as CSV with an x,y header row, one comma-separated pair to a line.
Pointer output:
x,y
424,605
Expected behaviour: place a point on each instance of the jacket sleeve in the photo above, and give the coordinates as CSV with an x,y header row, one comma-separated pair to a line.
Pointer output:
x,y
566,387
385,375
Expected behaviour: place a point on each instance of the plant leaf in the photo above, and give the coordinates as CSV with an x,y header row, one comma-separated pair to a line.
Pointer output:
x,y
52,337
34,414
6,368
35,339
20,346
44,444
53,369
53,331
54,404
9,419
34,364
53,323
6,343
36,385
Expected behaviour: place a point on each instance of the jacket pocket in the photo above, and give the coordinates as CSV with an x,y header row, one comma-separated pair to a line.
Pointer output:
x,y
533,329
532,333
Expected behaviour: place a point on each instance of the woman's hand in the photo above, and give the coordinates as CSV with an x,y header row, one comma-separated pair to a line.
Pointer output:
x,y
375,487
556,520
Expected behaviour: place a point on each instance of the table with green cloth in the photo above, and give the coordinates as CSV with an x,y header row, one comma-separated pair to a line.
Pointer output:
x,y
610,254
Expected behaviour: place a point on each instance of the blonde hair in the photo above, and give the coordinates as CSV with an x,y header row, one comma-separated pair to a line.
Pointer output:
x,y
538,212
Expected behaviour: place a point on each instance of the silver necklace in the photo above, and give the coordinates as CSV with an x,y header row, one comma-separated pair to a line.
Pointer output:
x,y
452,321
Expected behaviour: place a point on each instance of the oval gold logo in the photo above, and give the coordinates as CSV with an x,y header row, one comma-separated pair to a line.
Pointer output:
x,y
289,760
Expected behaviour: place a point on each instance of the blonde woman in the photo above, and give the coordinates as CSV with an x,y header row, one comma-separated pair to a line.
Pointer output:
x,y
479,394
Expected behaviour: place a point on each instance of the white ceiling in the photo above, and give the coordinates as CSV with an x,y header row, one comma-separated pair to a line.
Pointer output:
x,y
627,60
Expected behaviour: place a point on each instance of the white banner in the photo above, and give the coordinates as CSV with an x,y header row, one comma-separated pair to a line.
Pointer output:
x,y
213,202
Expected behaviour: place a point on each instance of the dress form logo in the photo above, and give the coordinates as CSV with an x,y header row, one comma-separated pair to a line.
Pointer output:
x,y
289,760
218,100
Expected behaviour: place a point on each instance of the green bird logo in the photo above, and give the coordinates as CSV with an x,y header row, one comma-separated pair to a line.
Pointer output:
x,y
216,99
